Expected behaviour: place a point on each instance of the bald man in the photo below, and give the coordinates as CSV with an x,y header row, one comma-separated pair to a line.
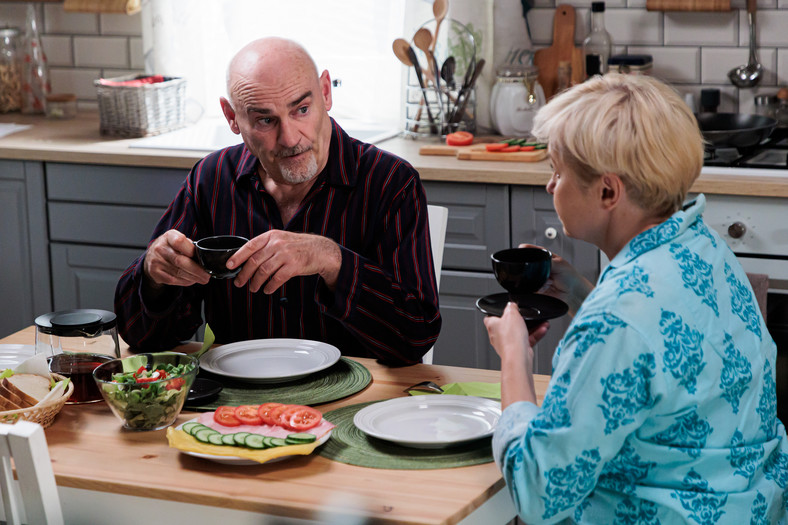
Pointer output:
x,y
339,247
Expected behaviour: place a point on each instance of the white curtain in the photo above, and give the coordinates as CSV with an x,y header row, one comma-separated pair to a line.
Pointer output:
x,y
196,39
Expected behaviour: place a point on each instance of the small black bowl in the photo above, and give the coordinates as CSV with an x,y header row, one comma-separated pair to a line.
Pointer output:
x,y
213,252
522,270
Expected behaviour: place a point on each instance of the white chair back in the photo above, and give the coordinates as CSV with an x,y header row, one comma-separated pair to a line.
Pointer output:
x,y
438,219
34,498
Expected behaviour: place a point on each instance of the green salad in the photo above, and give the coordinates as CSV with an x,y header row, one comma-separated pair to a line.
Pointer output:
x,y
147,399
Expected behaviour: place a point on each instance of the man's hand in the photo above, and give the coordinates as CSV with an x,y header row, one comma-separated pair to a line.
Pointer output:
x,y
168,261
271,259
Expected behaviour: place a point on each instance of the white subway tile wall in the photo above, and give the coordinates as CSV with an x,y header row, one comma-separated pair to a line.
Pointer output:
x,y
690,50
82,47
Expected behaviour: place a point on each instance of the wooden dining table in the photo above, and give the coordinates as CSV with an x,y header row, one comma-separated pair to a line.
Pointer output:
x,y
106,474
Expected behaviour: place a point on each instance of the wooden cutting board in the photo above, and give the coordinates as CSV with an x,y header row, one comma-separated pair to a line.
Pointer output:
x,y
478,152
688,5
562,48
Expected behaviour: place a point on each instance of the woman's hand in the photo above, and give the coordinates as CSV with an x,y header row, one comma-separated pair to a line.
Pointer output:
x,y
565,282
509,336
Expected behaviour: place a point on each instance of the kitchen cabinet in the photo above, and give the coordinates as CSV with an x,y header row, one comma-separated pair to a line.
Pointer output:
x,y
484,218
100,220
24,265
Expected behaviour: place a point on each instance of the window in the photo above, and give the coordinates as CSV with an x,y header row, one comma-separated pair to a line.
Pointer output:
x,y
196,39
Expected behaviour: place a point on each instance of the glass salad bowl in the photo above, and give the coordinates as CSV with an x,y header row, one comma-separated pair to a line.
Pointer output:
x,y
147,391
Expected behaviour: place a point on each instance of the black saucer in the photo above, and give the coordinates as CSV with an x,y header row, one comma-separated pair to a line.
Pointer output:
x,y
203,391
533,307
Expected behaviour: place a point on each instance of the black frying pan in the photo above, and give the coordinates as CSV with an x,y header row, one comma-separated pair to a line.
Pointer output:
x,y
738,130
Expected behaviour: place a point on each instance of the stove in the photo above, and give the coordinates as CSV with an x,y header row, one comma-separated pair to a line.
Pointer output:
x,y
769,158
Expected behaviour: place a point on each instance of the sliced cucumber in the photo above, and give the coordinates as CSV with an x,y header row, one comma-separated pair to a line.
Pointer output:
x,y
239,438
267,441
192,426
228,439
216,439
254,441
278,442
300,439
203,434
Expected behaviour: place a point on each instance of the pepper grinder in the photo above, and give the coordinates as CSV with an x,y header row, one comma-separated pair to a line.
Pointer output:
x,y
35,76
709,100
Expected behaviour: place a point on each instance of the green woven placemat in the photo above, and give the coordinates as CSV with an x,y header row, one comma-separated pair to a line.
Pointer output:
x,y
344,378
350,445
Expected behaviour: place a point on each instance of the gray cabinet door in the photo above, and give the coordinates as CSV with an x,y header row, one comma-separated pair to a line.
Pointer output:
x,y
24,265
463,340
478,226
478,222
535,221
86,276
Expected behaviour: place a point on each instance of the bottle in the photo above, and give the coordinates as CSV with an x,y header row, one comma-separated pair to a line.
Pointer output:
x,y
10,85
35,76
596,46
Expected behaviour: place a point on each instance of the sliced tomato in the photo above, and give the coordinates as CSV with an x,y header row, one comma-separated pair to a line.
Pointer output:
x,y
175,384
459,138
498,146
225,415
265,412
300,418
276,414
527,148
510,149
248,414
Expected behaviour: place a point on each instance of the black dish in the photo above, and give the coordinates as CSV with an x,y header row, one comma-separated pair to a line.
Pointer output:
x,y
203,390
533,307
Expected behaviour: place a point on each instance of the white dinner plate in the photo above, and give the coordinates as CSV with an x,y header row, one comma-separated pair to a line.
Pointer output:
x,y
269,360
431,421
12,356
235,460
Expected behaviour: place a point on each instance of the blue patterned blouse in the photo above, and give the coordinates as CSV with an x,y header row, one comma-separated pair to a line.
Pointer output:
x,y
661,407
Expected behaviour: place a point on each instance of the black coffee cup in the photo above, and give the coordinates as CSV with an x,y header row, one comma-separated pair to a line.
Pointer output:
x,y
213,253
522,270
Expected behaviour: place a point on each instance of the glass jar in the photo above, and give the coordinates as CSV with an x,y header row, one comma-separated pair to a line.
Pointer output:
x,y
516,97
10,78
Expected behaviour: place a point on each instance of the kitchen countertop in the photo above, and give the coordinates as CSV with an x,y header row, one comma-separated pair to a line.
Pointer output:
x,y
78,141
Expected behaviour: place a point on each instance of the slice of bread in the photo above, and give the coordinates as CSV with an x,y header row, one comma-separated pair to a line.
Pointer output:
x,y
30,387
11,396
7,404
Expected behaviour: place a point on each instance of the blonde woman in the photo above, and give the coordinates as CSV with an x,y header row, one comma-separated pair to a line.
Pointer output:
x,y
661,406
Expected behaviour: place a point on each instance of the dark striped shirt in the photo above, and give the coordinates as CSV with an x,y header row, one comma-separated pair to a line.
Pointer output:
x,y
370,202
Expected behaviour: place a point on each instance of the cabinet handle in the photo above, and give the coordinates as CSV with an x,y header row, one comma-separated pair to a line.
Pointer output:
x,y
737,230
551,233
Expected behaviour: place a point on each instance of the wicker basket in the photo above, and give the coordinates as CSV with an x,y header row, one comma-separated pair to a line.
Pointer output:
x,y
141,110
41,414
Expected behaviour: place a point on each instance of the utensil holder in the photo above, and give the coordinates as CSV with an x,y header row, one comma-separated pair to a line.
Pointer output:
x,y
417,122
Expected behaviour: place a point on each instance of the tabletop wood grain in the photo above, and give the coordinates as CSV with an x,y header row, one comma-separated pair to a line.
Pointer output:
x,y
90,450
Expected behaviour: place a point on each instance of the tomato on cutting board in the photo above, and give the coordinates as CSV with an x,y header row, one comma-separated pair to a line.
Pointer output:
x,y
459,138
497,146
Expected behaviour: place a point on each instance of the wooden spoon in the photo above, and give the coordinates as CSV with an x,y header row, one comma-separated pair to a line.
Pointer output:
x,y
407,56
423,40
439,9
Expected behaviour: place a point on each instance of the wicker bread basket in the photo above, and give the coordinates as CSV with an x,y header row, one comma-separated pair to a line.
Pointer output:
x,y
43,414
141,109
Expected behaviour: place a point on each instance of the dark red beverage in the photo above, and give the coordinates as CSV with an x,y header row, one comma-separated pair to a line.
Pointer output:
x,y
79,368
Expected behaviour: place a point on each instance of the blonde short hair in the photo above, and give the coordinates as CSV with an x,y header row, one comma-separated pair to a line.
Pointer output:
x,y
631,125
